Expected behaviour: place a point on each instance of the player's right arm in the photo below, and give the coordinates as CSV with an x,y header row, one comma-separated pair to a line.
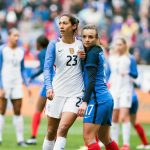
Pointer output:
x,y
48,69
1,64
38,70
133,67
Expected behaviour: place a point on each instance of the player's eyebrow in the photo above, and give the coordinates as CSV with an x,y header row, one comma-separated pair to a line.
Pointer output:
x,y
63,22
88,36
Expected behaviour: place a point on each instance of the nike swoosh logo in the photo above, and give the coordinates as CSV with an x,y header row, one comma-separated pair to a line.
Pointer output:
x,y
60,50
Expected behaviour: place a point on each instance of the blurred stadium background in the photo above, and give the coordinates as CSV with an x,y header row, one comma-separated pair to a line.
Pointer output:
x,y
130,18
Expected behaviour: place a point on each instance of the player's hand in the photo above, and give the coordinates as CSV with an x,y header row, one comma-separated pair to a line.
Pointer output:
x,y
29,92
50,94
81,54
2,93
82,109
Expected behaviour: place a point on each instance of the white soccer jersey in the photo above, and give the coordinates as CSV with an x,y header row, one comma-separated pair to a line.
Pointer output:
x,y
120,80
11,70
68,80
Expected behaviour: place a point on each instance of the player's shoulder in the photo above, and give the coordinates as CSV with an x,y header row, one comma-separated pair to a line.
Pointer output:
x,y
2,47
95,50
55,41
21,50
78,40
52,44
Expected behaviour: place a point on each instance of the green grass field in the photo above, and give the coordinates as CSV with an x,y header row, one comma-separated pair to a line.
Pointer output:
x,y
74,140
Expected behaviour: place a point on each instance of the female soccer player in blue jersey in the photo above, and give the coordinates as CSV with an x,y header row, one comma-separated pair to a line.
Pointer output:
x,y
97,105
65,90
41,44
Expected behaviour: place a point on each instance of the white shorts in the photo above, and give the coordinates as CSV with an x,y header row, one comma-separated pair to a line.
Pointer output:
x,y
59,104
123,100
13,93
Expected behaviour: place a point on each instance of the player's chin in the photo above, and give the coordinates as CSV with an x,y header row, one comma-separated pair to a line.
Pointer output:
x,y
87,45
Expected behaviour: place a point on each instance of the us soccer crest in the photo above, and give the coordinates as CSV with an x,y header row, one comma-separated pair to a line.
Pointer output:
x,y
71,50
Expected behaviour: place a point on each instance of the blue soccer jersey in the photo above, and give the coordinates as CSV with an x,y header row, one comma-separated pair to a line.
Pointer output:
x,y
100,102
135,103
39,70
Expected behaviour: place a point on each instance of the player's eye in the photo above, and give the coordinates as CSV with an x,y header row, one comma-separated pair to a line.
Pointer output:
x,y
83,36
91,37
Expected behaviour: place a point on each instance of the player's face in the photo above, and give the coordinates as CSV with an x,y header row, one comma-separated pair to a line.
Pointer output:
x,y
120,46
13,38
89,38
65,26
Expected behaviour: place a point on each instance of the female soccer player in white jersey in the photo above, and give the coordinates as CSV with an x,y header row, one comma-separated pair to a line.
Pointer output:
x,y
65,91
123,68
11,75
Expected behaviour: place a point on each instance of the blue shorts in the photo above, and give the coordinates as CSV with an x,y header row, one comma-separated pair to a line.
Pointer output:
x,y
99,112
43,91
135,105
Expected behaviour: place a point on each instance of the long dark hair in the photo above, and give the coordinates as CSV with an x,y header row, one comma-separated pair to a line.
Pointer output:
x,y
42,42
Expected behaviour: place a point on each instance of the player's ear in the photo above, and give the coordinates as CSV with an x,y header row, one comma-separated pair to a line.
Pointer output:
x,y
74,27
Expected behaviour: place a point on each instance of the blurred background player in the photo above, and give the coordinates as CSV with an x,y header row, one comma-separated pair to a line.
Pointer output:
x,y
41,44
12,72
97,105
123,69
65,91
137,126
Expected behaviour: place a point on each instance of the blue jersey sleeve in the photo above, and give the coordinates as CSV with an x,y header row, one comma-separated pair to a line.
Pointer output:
x,y
133,68
1,64
39,70
24,73
91,73
49,64
92,58
36,72
91,64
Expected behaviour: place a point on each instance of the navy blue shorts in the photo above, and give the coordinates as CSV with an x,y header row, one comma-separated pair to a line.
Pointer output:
x,y
135,105
43,91
99,112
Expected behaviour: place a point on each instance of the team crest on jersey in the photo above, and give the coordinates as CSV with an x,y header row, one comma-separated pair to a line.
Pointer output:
x,y
71,50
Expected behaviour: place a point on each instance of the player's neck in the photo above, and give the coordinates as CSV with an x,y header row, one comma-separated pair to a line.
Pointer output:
x,y
121,53
68,40
12,46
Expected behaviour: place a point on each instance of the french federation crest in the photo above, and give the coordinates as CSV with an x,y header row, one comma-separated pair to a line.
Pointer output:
x,y
71,50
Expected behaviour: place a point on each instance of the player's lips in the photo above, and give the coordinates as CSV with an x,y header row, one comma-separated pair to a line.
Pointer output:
x,y
87,43
62,31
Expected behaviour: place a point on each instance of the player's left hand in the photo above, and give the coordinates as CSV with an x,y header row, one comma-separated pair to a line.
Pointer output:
x,y
82,109
2,93
29,92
